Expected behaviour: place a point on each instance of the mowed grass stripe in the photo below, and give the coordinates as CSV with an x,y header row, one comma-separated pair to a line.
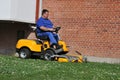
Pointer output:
x,y
12,68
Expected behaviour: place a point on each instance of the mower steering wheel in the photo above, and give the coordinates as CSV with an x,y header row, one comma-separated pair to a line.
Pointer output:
x,y
57,29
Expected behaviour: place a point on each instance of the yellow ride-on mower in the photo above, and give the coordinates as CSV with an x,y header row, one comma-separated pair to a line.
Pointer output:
x,y
26,48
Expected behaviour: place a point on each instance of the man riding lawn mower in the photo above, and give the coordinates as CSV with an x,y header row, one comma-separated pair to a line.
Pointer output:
x,y
48,45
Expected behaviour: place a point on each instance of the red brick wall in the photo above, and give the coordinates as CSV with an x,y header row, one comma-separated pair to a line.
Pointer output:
x,y
90,26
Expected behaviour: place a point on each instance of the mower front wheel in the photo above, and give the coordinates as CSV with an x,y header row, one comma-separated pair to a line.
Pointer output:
x,y
24,53
49,55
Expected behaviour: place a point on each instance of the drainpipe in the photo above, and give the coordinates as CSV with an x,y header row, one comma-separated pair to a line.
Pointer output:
x,y
38,9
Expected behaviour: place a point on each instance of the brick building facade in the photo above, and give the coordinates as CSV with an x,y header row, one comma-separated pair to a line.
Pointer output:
x,y
91,27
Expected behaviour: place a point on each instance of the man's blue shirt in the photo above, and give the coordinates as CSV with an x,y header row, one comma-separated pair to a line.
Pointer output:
x,y
43,22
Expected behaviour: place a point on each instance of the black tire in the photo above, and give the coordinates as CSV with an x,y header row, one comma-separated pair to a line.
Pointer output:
x,y
48,55
24,53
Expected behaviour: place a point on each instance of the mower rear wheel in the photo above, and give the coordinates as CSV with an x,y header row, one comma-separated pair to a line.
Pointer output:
x,y
48,55
24,53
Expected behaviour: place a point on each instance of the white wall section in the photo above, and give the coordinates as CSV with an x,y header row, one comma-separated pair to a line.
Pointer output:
x,y
5,9
18,10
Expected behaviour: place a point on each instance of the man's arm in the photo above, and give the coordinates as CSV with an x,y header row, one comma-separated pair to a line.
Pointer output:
x,y
47,29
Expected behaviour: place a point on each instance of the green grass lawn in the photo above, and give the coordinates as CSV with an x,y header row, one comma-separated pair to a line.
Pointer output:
x,y
12,68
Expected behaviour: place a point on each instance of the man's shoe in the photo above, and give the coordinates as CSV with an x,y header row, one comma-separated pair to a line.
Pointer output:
x,y
56,46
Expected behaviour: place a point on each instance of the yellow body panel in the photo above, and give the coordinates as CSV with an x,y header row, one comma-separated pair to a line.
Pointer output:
x,y
47,44
31,44
65,49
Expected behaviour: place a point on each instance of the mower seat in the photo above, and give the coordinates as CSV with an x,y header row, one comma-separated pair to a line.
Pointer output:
x,y
41,37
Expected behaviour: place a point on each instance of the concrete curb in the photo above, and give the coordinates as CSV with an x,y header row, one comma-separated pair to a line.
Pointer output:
x,y
103,60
